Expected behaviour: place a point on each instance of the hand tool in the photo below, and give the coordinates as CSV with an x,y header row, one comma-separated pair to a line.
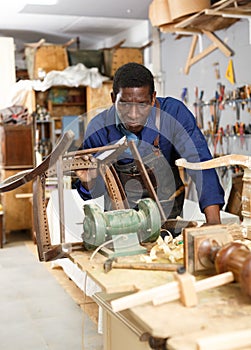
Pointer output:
x,y
114,264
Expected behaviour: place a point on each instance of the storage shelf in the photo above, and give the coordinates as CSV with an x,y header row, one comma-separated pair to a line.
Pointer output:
x,y
68,104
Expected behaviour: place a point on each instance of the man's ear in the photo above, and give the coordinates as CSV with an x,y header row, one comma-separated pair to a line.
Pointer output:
x,y
153,98
113,97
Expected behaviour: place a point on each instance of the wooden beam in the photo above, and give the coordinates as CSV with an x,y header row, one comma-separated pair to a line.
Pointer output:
x,y
36,45
191,53
221,46
223,5
216,44
229,13
188,20
203,54
171,28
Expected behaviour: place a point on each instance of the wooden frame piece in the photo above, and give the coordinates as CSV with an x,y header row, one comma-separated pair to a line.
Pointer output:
x,y
216,44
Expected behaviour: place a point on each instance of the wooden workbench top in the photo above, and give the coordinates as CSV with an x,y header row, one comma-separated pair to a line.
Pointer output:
x,y
219,310
119,280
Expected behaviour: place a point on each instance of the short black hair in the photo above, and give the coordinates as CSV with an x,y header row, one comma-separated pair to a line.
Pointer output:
x,y
133,75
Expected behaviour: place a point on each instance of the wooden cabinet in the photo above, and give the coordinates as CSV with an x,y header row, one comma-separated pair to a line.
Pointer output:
x,y
64,101
17,154
17,211
17,146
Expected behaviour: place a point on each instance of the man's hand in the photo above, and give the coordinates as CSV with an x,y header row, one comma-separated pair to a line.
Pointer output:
x,y
87,176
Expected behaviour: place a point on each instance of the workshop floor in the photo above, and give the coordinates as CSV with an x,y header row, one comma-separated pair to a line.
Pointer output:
x,y
36,311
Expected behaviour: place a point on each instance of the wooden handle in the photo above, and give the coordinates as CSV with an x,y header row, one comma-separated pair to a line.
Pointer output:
x,y
145,266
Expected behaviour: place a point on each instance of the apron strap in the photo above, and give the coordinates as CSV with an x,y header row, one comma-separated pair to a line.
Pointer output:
x,y
156,141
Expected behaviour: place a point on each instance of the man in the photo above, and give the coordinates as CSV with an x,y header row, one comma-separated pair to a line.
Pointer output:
x,y
163,130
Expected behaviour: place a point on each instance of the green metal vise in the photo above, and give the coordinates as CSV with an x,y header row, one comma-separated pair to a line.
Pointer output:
x,y
100,227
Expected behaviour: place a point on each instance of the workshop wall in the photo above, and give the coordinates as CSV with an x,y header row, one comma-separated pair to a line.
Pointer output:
x,y
202,73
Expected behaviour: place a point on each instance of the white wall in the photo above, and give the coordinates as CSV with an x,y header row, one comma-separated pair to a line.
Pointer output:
x,y
137,36
7,69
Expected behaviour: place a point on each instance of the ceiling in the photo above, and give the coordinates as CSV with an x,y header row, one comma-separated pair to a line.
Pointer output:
x,y
92,21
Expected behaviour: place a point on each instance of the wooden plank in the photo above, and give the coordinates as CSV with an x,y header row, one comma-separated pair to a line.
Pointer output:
x,y
217,44
203,54
223,5
170,28
220,45
191,53
228,13
189,20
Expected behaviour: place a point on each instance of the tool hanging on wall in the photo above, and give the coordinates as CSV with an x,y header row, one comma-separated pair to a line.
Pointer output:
x,y
217,70
198,107
184,95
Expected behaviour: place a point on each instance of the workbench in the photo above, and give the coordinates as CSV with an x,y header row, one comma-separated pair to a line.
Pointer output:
x,y
222,313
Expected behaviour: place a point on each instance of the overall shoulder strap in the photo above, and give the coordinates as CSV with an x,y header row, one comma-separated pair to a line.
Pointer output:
x,y
156,141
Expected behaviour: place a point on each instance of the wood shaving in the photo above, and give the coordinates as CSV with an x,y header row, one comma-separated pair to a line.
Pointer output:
x,y
171,249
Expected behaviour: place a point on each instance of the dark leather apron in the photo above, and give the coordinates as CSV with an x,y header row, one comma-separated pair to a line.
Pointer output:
x,y
165,179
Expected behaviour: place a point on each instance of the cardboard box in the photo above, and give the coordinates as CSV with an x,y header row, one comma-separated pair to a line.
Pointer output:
x,y
44,59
